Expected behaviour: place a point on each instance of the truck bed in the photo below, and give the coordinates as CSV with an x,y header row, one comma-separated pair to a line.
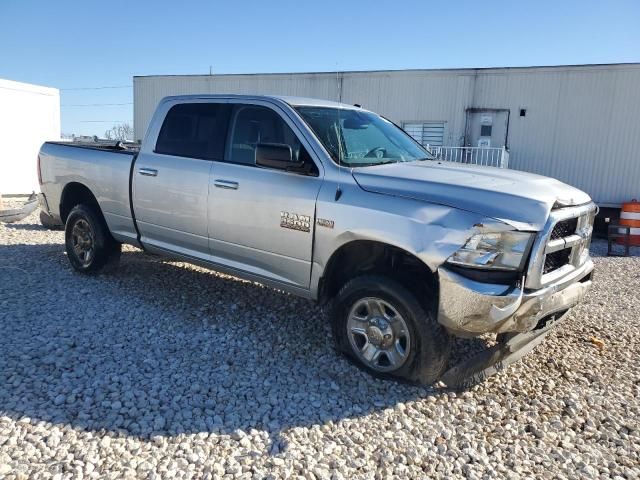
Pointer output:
x,y
105,169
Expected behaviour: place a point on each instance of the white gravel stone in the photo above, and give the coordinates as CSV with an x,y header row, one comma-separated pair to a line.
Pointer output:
x,y
165,370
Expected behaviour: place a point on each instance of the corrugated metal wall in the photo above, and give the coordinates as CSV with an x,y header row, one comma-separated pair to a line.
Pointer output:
x,y
148,91
580,124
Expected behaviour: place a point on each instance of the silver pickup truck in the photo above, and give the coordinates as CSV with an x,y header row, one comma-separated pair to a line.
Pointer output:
x,y
337,204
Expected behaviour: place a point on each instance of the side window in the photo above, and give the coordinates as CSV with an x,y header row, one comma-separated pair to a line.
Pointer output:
x,y
254,125
196,130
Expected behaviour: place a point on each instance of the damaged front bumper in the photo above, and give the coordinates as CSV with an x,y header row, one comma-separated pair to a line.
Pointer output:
x,y
495,359
468,308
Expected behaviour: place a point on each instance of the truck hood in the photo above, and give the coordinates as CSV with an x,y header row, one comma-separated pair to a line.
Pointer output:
x,y
520,199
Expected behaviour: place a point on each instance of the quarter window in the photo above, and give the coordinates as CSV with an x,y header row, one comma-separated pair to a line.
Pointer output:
x,y
196,130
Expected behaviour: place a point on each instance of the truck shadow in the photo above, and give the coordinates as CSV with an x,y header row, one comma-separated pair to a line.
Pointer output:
x,y
160,348
25,226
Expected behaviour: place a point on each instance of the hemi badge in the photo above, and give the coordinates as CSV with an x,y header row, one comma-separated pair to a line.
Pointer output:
x,y
323,222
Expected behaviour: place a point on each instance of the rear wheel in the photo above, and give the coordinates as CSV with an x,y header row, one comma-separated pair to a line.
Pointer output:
x,y
89,245
382,326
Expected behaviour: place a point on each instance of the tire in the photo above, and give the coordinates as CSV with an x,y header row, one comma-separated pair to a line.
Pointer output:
x,y
48,222
403,329
89,245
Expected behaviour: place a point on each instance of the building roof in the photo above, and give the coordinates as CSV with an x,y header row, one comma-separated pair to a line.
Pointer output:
x,y
27,87
416,70
291,100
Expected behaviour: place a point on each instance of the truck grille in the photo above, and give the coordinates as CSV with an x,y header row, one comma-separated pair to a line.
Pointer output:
x,y
555,260
562,246
564,228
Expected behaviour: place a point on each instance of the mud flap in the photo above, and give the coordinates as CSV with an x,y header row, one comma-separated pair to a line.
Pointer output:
x,y
495,359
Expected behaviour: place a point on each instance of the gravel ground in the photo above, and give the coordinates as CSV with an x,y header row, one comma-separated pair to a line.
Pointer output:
x,y
163,370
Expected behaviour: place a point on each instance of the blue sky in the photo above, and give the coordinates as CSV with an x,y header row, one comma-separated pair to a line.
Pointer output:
x,y
73,44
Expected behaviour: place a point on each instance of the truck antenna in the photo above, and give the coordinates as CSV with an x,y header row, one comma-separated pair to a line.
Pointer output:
x,y
339,136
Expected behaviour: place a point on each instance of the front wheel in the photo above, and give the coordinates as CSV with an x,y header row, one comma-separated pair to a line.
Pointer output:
x,y
381,325
89,245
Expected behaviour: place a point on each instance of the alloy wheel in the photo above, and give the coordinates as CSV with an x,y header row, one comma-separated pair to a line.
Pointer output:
x,y
378,334
83,241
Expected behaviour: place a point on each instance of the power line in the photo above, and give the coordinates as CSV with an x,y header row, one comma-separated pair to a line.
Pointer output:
x,y
97,88
104,121
96,104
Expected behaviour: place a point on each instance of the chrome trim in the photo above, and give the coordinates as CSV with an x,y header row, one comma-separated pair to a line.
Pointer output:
x,y
498,314
466,307
542,246
149,172
228,184
555,246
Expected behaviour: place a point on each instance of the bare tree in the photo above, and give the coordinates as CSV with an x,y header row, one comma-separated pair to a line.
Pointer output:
x,y
122,131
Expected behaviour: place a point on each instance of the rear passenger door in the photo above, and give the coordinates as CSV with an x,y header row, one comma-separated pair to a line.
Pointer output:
x,y
171,179
252,209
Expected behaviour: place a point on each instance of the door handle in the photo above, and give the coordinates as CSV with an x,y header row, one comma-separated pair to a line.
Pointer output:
x,y
149,172
225,184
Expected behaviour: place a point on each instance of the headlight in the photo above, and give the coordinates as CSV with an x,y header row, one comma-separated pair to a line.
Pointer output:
x,y
499,251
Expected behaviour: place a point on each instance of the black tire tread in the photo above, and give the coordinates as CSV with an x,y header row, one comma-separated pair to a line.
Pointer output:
x,y
425,365
107,249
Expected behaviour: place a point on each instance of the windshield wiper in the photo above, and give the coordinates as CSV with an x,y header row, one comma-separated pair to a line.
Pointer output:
x,y
372,164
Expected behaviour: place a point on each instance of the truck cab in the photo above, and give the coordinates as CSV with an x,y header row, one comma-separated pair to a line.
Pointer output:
x,y
198,190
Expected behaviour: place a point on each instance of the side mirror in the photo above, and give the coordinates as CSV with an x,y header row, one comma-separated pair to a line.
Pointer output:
x,y
275,155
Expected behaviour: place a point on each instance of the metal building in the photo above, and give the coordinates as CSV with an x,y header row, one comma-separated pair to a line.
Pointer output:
x,y
576,123
29,116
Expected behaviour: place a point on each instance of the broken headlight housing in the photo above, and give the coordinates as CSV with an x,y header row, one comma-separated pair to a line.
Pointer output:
x,y
506,251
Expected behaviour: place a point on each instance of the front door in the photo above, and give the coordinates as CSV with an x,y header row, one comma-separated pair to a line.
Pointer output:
x,y
261,220
487,128
171,183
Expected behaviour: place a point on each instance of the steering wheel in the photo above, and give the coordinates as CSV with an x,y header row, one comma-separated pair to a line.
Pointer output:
x,y
378,152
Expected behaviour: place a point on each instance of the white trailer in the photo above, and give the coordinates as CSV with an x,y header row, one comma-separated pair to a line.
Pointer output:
x,y
29,116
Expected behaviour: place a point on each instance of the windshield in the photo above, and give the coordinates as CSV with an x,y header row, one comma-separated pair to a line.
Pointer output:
x,y
358,138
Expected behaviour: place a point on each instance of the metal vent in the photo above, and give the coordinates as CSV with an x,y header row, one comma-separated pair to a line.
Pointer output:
x,y
426,133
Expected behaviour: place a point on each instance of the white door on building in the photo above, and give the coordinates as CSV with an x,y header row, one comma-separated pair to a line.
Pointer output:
x,y
487,128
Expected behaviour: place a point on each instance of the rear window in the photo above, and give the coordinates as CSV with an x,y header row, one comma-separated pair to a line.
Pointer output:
x,y
196,130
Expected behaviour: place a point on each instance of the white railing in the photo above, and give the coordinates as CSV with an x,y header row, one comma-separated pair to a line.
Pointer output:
x,y
489,156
